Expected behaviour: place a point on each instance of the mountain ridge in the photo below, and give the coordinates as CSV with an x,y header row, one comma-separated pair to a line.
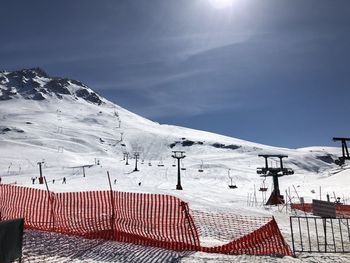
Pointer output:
x,y
36,84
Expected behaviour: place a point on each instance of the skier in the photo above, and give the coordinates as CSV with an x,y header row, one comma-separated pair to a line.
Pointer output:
x,y
53,181
33,180
115,181
64,180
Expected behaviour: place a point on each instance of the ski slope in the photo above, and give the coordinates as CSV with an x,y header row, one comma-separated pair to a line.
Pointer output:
x,y
67,132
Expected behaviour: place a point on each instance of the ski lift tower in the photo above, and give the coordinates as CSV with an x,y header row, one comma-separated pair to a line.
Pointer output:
x,y
126,158
41,178
136,155
275,197
341,160
178,155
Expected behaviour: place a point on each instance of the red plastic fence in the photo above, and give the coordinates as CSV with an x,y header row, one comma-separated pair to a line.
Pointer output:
x,y
225,227
307,207
250,235
28,203
144,219
341,210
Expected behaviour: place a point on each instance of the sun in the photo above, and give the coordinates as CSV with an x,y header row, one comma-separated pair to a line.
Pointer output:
x,y
220,4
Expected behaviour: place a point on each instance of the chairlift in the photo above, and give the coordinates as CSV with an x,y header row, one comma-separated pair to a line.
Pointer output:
x,y
263,187
160,164
231,186
201,168
174,164
183,168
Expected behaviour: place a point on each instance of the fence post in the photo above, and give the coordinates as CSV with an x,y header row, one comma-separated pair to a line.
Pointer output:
x,y
0,199
325,234
318,242
341,234
112,206
52,204
291,230
191,224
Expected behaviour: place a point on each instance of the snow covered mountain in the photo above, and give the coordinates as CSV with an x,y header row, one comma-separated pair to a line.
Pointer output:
x,y
35,84
67,124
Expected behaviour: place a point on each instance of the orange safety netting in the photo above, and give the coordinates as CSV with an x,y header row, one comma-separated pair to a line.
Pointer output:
x,y
145,219
240,234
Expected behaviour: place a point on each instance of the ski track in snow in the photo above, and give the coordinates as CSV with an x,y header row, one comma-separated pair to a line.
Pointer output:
x,y
42,247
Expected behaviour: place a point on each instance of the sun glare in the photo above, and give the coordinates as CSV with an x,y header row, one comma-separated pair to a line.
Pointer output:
x,y
221,3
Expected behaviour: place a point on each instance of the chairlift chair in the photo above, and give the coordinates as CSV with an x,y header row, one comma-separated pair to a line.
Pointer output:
x,y
201,168
263,187
160,164
182,166
231,186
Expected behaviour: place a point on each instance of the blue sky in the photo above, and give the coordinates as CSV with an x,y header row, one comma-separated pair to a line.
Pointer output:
x,y
274,71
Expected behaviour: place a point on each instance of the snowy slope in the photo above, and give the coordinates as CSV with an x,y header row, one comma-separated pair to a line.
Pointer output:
x,y
66,124
67,130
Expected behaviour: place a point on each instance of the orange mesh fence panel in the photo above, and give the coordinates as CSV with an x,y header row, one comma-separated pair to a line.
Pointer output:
x,y
31,204
222,227
153,219
343,210
307,207
250,235
85,214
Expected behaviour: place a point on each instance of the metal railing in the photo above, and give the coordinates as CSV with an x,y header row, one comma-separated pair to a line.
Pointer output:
x,y
321,235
